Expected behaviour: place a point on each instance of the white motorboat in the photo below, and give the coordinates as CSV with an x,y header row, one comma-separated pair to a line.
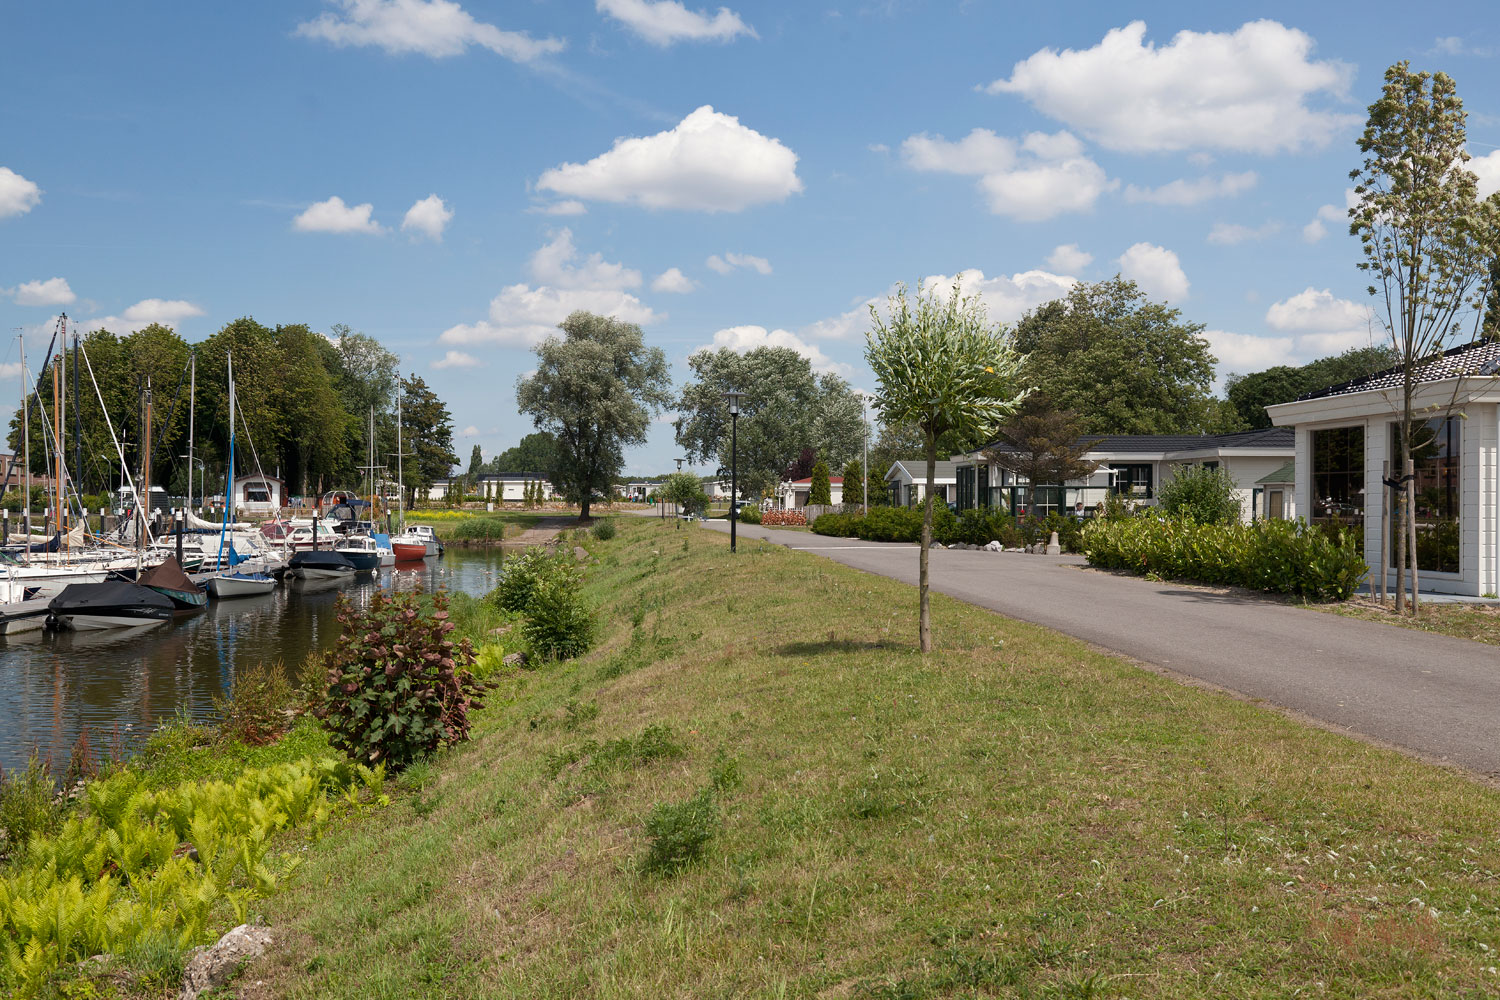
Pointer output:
x,y
423,534
237,584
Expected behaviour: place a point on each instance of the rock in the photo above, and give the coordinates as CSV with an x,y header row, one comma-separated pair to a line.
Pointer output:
x,y
580,553
500,631
1053,549
937,545
514,659
992,547
213,966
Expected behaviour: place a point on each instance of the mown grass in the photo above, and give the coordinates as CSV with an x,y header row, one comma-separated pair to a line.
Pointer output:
x,y
1013,816
1480,622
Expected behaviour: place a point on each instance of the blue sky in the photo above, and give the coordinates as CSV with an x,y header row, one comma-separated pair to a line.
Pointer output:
x,y
741,175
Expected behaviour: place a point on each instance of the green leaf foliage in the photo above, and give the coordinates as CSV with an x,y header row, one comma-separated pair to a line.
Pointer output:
x,y
1251,394
1200,494
819,491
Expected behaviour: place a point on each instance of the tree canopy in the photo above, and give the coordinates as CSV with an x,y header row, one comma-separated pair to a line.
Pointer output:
x,y
595,389
535,453
1124,364
786,408
1046,445
1251,394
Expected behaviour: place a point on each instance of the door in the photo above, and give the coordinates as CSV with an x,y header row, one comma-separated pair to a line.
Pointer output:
x,y
1274,505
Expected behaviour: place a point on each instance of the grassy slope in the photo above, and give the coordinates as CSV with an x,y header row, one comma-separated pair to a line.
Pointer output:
x,y
1014,816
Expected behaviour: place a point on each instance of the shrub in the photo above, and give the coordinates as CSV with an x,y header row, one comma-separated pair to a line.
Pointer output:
x,y
820,490
28,805
838,525
396,686
1275,556
559,623
604,530
904,524
1200,494
523,573
477,529
978,526
750,515
679,831
260,703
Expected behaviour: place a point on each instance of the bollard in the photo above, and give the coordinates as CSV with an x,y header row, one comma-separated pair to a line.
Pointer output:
x,y
1053,548
179,519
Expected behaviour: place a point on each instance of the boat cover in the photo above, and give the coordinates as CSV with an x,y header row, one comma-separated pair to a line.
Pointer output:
x,y
110,597
320,559
168,575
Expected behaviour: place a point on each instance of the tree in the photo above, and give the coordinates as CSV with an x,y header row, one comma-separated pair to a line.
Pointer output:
x,y
819,490
315,431
1427,242
1043,444
536,452
1124,364
801,466
941,366
786,408
1492,301
595,388
1201,494
854,476
476,463
686,491
1251,394
428,434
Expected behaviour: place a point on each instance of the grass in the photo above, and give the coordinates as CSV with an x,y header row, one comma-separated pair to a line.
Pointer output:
x,y
1480,622
835,815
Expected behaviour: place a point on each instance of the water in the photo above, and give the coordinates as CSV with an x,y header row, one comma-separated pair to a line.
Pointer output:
x,y
54,685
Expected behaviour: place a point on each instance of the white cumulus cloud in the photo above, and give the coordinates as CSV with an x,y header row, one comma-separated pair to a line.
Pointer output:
x,y
747,338
428,217
674,281
1156,270
1316,230
1246,352
568,207
1068,259
709,162
1486,168
1192,192
1317,311
731,261
1247,90
1233,233
1006,299
457,359
663,22
557,263
333,216
434,28
17,194
1042,176
52,292
167,312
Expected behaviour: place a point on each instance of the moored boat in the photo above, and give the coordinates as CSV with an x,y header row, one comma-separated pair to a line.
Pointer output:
x,y
360,550
112,604
320,564
230,585
24,616
168,579
408,551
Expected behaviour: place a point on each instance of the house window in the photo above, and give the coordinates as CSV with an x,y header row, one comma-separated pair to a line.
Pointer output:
x,y
1435,494
1133,480
1338,477
982,492
1210,465
257,493
965,487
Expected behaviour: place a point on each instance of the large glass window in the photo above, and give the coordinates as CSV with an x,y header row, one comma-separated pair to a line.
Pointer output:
x,y
965,487
1133,480
1436,494
1338,477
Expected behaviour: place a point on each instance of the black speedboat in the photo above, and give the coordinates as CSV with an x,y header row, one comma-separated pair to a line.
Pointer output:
x,y
319,564
112,604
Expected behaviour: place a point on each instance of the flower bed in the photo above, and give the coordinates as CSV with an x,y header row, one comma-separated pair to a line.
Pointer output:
x,y
783,517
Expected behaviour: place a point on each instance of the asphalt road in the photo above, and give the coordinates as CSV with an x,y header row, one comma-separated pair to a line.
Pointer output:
x,y
1431,694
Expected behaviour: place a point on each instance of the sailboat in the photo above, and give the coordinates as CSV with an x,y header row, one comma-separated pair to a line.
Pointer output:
x,y
233,582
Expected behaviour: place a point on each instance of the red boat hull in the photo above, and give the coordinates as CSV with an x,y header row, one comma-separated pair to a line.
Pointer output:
x,y
409,553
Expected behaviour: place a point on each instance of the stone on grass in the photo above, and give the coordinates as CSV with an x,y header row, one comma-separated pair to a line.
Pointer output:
x,y
580,553
514,659
936,545
213,966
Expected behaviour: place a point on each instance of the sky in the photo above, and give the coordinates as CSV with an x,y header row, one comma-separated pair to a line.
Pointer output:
x,y
453,178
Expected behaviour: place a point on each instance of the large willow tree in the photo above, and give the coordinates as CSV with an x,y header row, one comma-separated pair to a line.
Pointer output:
x,y
941,366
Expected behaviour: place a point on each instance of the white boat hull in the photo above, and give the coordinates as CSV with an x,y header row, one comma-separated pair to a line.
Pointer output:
x,y
239,586
82,623
48,583
317,573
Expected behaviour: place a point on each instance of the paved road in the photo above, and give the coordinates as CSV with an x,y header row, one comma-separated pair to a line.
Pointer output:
x,y
1431,694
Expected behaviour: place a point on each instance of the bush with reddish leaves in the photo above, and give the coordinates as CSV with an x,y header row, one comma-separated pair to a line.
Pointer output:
x,y
396,686
783,516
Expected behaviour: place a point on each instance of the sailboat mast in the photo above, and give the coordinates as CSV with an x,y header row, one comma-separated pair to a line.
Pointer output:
x,y
145,470
400,481
77,428
26,435
57,405
229,472
192,411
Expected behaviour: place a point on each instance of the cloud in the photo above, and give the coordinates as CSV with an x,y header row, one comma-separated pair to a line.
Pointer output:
x,y
554,264
522,315
469,431
663,22
1156,270
747,338
569,207
167,312
1232,233
433,28
1453,45
1067,258
730,261
1041,176
708,163
428,217
1244,352
52,292
333,216
1191,192
1246,91
1314,311
674,281
1486,168
1316,230
17,195
457,359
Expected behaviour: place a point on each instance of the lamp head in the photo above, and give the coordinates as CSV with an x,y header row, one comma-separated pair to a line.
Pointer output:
x,y
733,397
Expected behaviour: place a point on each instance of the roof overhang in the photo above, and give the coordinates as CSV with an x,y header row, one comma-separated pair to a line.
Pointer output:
x,y
1444,393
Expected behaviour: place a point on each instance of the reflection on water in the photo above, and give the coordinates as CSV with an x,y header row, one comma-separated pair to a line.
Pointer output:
x,y
53,685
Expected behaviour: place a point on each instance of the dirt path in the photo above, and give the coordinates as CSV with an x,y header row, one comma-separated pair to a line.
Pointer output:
x,y
543,532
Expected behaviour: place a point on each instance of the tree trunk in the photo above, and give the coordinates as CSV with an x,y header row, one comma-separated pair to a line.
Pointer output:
x,y
924,615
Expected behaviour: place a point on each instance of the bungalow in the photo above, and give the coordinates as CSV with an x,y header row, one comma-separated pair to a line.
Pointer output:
x,y
906,481
259,493
502,486
794,493
1346,445
639,489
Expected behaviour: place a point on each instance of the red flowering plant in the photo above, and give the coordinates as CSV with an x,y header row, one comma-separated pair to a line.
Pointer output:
x,y
397,687
783,516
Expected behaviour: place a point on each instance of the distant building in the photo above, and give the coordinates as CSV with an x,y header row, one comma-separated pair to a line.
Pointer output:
x,y
259,494
794,493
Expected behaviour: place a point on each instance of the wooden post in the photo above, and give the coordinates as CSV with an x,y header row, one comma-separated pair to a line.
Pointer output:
x,y
178,518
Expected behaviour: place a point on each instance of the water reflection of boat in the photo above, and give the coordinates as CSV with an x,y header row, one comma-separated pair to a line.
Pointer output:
x,y
319,584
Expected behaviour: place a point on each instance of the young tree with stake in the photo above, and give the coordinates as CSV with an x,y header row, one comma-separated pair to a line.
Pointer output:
x,y
941,366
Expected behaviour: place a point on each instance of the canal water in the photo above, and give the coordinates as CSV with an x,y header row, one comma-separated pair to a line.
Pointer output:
x,y
123,683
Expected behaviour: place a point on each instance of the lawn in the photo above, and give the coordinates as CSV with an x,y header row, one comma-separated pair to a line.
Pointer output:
x,y
1480,622
1015,815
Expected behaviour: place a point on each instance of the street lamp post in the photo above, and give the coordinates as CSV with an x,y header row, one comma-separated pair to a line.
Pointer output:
x,y
676,509
733,399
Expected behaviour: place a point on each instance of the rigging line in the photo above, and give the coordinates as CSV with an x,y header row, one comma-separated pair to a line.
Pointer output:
x,y
109,424
181,380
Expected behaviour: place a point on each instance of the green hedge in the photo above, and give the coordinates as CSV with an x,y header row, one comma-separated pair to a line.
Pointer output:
x,y
1281,557
838,525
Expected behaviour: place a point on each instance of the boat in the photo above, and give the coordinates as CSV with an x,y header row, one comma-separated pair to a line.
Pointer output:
x,y
112,604
360,550
423,533
168,579
320,564
383,546
408,551
21,612
229,585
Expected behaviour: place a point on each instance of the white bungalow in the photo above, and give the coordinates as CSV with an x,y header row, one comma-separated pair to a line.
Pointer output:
x,y
794,493
258,494
1346,445
906,480
502,486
